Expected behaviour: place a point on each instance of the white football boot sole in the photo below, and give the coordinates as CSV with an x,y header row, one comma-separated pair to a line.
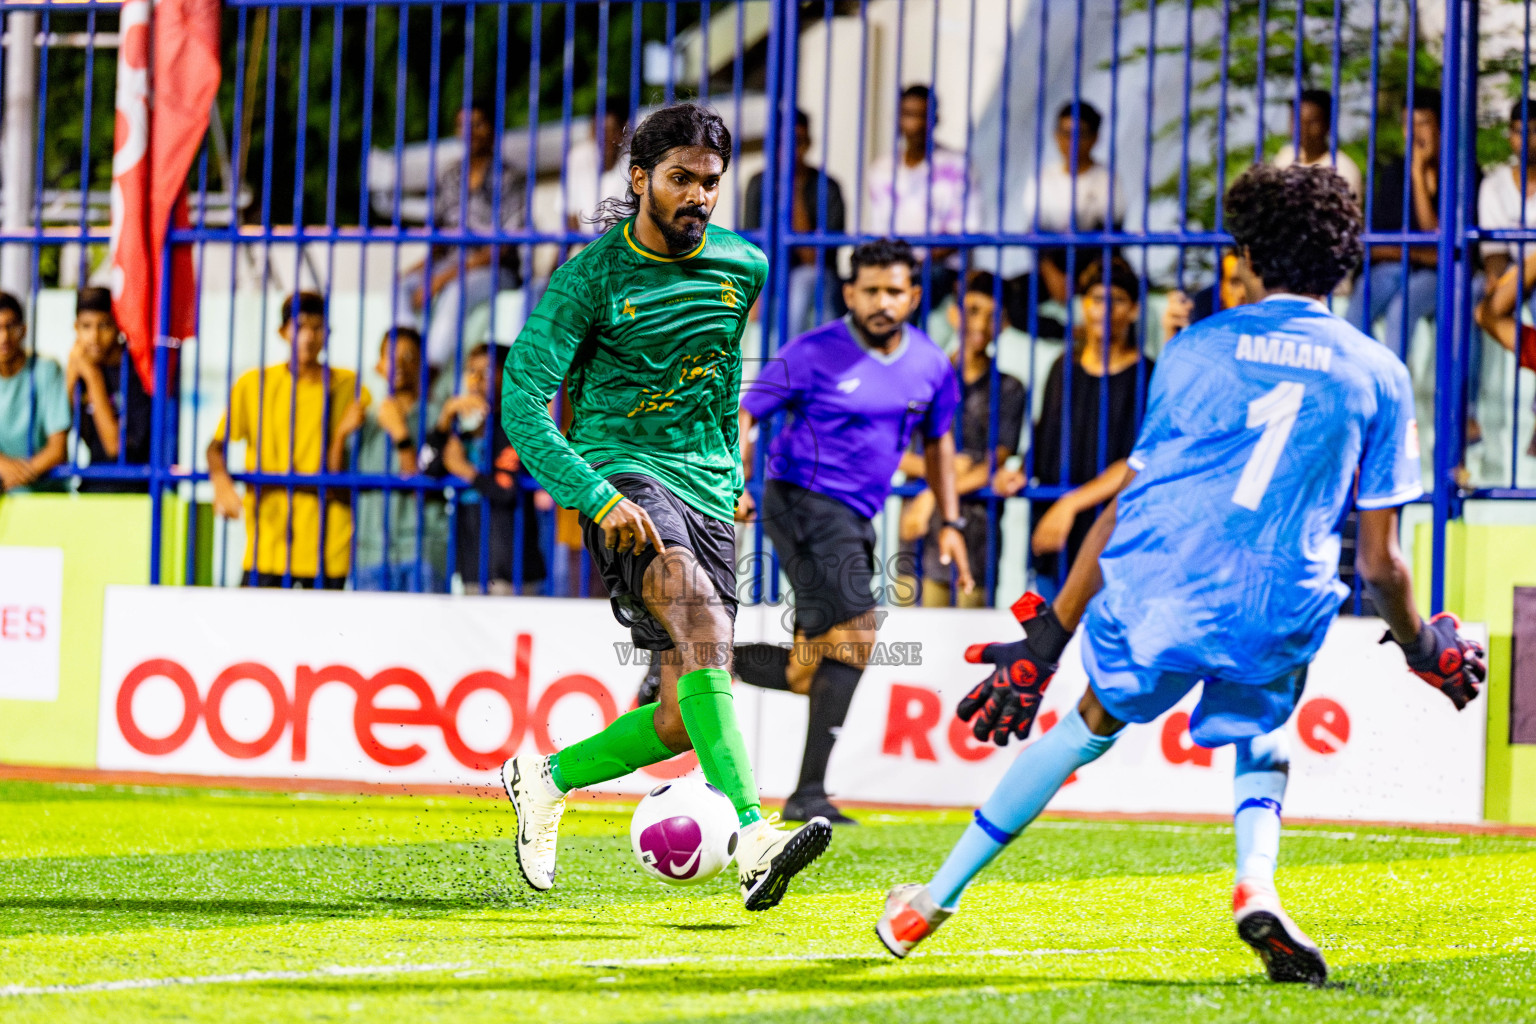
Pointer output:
x,y
769,856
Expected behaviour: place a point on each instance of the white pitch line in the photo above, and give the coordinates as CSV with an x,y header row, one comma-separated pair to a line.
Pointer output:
x,y
245,977
463,969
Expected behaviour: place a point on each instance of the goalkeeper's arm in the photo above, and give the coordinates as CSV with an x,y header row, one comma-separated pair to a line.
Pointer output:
x,y
1435,651
1003,706
1084,580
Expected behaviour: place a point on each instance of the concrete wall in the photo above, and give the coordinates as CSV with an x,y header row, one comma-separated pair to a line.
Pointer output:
x,y
1484,563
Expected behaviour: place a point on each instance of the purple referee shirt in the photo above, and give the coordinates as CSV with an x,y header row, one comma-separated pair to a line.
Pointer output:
x,y
851,410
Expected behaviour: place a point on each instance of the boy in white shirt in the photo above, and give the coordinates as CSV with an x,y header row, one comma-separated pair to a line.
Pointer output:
x,y
1314,127
1073,193
1502,203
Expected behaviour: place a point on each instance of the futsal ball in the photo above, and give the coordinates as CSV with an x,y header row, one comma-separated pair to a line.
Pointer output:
x,y
684,832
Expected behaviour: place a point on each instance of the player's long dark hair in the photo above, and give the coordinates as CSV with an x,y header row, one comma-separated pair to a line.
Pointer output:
x,y
682,124
1300,225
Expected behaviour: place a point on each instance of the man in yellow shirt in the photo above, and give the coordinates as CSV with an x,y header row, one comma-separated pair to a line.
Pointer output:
x,y
284,534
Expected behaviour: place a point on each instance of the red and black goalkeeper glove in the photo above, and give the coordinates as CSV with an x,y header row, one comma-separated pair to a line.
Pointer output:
x,y
1446,660
1004,704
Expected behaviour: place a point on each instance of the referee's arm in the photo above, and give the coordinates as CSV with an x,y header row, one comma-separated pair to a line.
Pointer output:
x,y
939,458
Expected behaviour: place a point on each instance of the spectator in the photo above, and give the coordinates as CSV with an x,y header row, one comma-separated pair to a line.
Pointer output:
x,y
467,198
1181,310
387,546
1405,295
974,318
34,408
115,411
806,266
1315,129
1061,525
1501,200
914,195
299,429
1496,315
1229,290
496,484
587,185
1072,194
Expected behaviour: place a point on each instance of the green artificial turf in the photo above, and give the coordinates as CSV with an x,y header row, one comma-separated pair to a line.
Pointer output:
x,y
159,904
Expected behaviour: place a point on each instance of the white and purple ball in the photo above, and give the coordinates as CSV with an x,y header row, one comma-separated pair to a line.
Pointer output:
x,y
684,832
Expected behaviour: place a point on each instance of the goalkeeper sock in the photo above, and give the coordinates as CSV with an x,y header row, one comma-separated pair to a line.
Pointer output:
x,y
765,665
1034,777
1263,768
629,743
709,714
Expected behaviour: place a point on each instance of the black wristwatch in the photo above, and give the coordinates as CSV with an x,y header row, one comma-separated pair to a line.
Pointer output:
x,y
957,524
405,444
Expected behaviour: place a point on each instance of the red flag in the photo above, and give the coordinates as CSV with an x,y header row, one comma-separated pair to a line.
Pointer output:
x,y
162,116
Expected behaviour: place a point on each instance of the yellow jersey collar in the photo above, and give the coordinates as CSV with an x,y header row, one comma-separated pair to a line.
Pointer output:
x,y
643,251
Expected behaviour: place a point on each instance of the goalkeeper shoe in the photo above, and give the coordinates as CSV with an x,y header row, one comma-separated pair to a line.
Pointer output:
x,y
910,916
1287,953
538,804
768,857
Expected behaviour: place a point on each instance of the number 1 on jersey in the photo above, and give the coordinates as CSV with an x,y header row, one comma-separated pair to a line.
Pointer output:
x,y
1276,412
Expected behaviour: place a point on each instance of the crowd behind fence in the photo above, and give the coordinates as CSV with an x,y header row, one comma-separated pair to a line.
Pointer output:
x,y
386,187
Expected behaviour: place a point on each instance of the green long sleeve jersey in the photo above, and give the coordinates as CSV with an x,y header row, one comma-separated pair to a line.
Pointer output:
x,y
649,347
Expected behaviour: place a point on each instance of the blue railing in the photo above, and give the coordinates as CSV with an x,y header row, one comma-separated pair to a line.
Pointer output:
x,y
335,135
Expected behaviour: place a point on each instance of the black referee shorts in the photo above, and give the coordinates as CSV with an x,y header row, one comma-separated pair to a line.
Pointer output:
x,y
712,542
826,549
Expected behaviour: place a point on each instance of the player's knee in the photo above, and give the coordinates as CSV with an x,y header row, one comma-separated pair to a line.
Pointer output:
x,y
800,673
1099,721
669,581
680,595
1268,753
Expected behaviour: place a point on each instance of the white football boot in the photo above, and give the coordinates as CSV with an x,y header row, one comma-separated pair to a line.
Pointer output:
x,y
1287,953
767,857
538,804
909,917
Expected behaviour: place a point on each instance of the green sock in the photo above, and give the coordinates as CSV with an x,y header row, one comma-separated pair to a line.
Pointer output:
x,y
709,714
629,743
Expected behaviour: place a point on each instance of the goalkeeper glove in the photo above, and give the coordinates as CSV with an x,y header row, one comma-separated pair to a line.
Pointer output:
x,y
1004,704
1446,660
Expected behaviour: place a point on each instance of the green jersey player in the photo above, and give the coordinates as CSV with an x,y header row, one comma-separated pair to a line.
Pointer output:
x,y
644,328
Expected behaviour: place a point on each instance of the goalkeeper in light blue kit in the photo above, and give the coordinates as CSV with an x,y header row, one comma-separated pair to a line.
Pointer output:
x,y
1217,562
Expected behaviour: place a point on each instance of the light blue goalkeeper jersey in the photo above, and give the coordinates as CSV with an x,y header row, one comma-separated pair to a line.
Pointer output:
x,y
1224,560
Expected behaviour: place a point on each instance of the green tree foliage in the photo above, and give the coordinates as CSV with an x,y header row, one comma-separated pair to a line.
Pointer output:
x,y
1269,30
1251,40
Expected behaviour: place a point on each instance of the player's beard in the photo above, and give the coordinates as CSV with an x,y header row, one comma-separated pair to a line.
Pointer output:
x,y
681,236
880,335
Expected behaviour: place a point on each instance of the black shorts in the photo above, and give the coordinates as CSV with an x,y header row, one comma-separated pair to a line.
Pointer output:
x,y
826,549
712,542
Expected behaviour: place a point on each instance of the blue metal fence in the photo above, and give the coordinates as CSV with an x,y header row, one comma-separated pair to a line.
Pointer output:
x,y
337,137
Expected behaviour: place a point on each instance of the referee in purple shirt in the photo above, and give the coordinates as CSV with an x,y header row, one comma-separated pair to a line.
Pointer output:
x,y
853,392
